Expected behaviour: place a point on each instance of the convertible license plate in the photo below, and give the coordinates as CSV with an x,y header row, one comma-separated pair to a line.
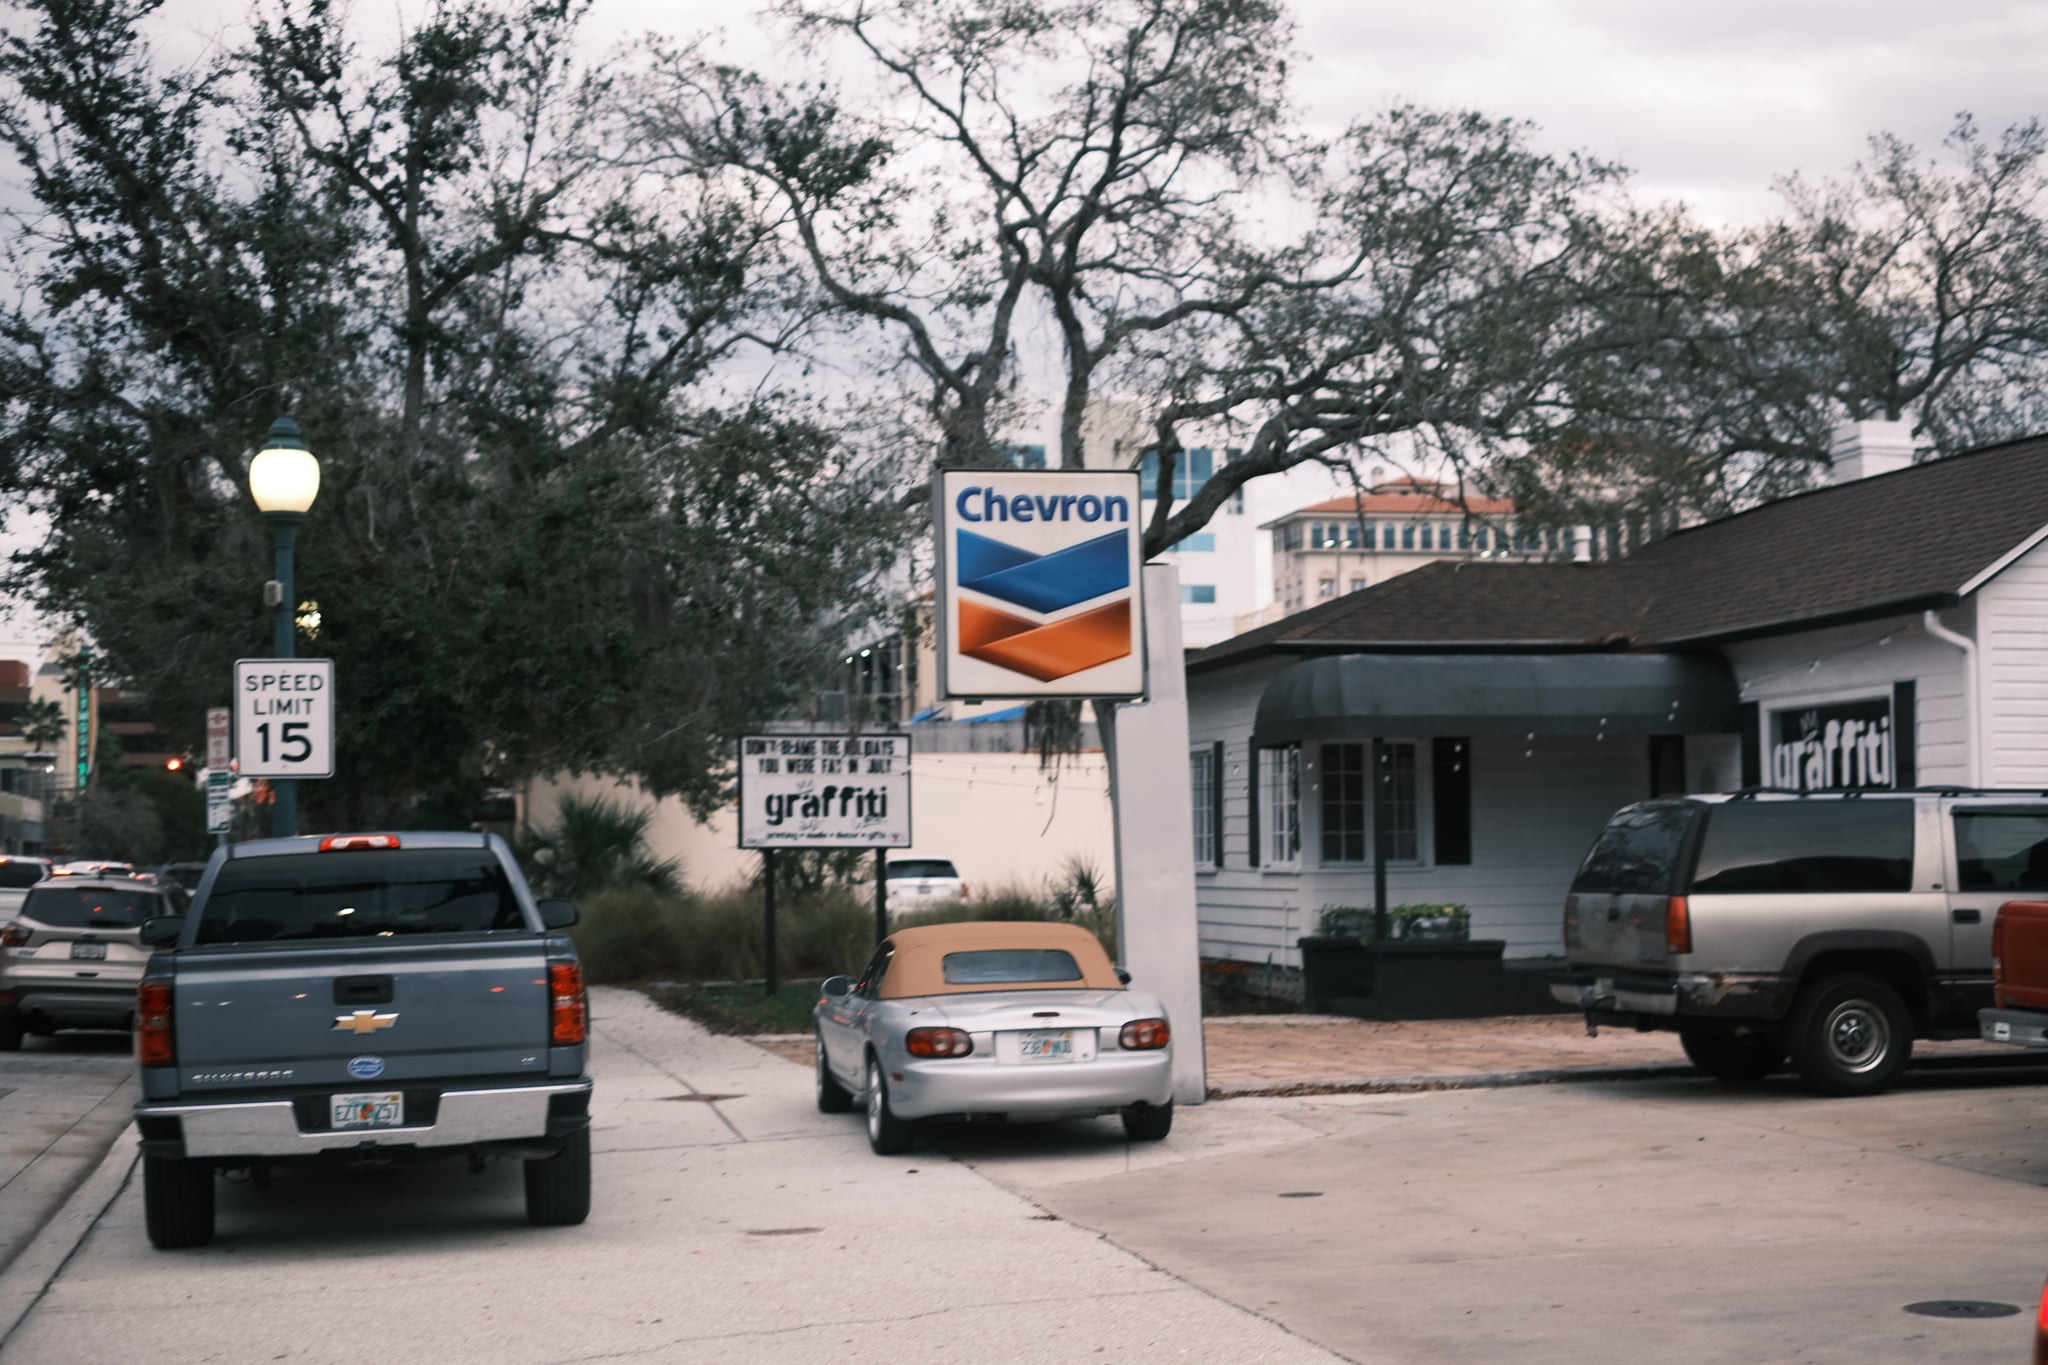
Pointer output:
x,y
383,1109
1046,1045
89,952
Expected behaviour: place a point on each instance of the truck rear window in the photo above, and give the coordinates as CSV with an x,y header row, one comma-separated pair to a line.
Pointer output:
x,y
1777,846
1638,853
358,894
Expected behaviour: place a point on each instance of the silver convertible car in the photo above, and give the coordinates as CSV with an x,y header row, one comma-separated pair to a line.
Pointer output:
x,y
1025,1020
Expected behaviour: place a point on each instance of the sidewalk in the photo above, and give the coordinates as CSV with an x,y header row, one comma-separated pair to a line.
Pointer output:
x,y
1280,1054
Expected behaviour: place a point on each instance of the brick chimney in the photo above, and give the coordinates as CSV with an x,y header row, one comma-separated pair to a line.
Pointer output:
x,y
1861,449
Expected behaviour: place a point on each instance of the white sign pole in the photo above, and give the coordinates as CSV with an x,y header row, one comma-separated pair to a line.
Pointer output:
x,y
1155,853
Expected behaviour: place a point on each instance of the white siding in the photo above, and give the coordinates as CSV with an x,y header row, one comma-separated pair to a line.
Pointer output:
x,y
1536,806
1865,660
2012,654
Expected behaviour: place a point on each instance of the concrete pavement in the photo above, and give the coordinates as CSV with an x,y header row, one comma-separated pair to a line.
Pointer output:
x,y
63,1101
732,1223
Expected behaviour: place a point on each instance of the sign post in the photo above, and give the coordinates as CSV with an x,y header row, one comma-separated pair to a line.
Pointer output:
x,y
220,806
823,791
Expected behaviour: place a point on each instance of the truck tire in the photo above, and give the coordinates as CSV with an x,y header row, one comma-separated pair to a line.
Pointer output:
x,y
177,1201
1850,1035
832,1096
1727,1057
887,1134
558,1187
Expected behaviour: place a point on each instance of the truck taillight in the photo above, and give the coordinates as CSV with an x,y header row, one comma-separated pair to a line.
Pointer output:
x,y
155,1045
1997,949
13,936
1571,918
571,1011
357,843
1677,926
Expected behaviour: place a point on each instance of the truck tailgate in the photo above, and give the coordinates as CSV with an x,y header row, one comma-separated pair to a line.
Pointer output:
x,y
2021,937
256,1017
1606,929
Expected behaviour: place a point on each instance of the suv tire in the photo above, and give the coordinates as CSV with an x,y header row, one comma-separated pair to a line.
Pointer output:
x,y
558,1187
1728,1057
832,1096
11,1033
177,1201
1850,1035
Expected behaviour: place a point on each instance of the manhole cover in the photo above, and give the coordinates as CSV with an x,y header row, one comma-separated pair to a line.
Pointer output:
x,y
1961,1308
1301,1194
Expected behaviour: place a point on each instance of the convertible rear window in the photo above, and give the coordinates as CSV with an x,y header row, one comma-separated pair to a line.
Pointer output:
x,y
91,907
356,894
1010,967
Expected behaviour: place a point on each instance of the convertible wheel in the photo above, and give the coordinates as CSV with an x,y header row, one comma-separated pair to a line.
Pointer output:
x,y
887,1134
1148,1122
832,1096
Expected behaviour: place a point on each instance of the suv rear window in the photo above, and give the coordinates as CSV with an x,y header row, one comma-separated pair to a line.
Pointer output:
x,y
359,894
1777,846
15,874
91,907
922,867
1639,851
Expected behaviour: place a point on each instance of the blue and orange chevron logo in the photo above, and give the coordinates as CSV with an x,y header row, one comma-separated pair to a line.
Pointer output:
x,y
1044,584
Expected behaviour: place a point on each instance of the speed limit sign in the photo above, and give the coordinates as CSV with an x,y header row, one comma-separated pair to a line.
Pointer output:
x,y
284,717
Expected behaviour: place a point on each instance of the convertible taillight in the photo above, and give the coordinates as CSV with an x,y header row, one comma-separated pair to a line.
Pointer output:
x,y
155,1045
1145,1035
13,936
937,1042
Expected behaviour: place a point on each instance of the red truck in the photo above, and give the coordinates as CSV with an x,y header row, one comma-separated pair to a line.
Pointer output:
x,y
2019,977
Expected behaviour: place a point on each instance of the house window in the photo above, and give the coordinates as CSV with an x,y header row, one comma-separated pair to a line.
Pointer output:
x,y
1024,457
1479,539
1202,785
1428,533
1408,536
1347,803
1326,587
1191,469
1350,535
1280,803
1290,536
1198,594
1198,543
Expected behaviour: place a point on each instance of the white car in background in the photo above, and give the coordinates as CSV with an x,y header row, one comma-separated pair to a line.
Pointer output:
x,y
17,875
922,884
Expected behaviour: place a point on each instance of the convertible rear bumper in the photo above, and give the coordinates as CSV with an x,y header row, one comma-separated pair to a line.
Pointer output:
x,y
1109,1081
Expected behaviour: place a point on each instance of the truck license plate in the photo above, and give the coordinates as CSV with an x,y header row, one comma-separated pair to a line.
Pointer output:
x,y
383,1109
1046,1045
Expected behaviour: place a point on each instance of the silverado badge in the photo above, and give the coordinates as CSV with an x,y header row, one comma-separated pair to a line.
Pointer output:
x,y
363,1021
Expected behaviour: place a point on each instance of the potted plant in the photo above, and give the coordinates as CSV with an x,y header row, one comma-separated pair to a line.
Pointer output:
x,y
1428,967
1434,923
1336,973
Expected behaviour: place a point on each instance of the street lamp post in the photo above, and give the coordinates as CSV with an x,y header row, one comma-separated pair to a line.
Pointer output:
x,y
284,478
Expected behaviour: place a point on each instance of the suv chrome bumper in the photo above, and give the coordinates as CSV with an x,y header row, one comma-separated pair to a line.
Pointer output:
x,y
1608,993
269,1127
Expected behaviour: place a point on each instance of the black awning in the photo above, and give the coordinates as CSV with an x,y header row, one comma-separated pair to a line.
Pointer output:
x,y
1358,696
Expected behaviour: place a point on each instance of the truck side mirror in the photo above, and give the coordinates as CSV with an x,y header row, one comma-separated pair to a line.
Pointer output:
x,y
558,912
160,930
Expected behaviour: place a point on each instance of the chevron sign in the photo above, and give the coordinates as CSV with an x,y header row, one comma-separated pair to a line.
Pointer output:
x,y
1038,584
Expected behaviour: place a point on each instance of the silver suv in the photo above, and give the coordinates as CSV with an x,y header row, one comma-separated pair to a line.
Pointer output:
x,y
71,956
1832,928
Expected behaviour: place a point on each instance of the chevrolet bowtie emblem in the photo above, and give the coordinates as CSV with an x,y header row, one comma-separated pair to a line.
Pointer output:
x,y
363,1021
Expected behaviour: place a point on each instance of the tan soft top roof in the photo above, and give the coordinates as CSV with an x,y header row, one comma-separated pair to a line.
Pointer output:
x,y
918,965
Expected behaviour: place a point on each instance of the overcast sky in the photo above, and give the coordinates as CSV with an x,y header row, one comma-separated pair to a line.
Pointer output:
x,y
1708,103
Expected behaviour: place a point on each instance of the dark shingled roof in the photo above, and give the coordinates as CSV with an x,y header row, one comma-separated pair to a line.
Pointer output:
x,y
1897,542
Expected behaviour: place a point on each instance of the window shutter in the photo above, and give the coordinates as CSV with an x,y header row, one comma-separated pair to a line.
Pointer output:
x,y
1906,737
1216,798
1752,745
1452,801
1251,806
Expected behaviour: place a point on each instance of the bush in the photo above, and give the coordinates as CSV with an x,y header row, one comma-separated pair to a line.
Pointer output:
x,y
631,934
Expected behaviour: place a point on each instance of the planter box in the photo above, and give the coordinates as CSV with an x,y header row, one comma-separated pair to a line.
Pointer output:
x,y
1407,979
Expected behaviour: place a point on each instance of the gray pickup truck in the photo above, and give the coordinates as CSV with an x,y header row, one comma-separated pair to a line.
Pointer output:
x,y
361,999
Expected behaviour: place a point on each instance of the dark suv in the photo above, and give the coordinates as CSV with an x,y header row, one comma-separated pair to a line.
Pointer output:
x,y
1832,928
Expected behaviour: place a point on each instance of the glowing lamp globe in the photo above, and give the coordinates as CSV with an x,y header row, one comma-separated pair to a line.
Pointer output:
x,y
284,478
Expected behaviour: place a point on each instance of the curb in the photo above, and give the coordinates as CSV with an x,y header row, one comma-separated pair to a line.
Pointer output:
x,y
24,1282
1478,1080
